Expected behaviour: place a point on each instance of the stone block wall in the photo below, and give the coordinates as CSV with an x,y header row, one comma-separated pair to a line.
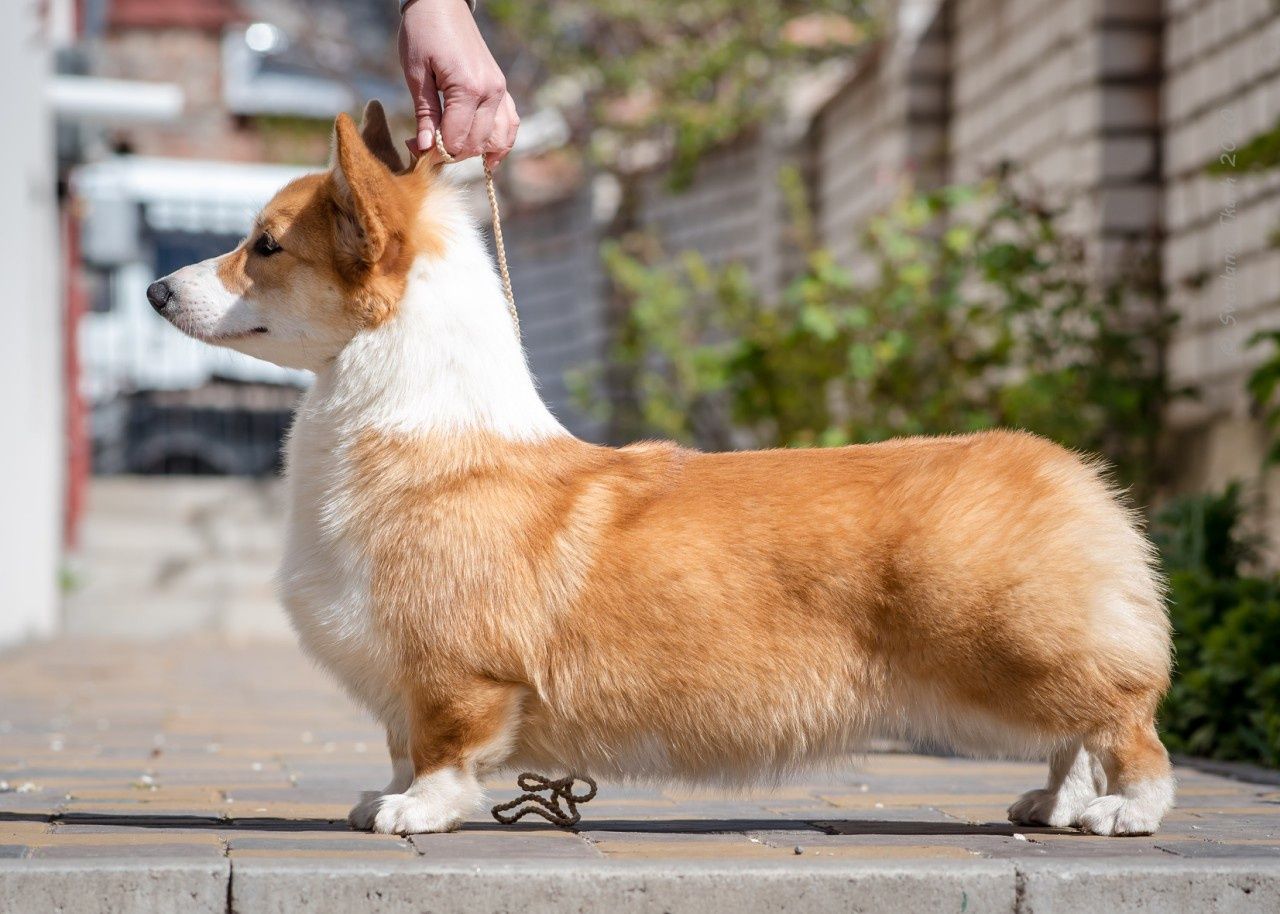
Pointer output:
x,y
732,210
1068,92
1220,267
887,129
553,252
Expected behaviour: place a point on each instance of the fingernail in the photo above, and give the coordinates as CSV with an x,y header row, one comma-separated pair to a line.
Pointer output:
x,y
426,139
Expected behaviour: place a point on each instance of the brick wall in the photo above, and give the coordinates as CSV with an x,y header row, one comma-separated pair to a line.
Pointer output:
x,y
1222,59
555,274
1068,92
732,211
150,14
886,128
1021,90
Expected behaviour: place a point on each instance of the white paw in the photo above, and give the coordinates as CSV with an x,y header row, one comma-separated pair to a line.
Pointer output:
x,y
406,814
1116,815
1136,810
1058,809
361,815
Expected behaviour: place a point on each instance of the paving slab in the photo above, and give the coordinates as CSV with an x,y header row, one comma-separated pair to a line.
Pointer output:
x,y
136,773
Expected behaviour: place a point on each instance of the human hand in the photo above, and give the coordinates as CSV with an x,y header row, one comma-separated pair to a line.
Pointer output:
x,y
443,53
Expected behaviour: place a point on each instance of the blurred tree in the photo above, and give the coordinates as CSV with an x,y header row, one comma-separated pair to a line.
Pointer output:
x,y
688,73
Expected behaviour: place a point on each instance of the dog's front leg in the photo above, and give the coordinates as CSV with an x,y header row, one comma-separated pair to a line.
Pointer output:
x,y
362,814
455,733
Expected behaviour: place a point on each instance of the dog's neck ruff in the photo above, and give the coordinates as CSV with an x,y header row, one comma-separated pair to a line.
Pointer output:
x,y
448,362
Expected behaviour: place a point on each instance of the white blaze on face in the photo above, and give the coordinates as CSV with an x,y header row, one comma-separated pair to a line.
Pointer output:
x,y
201,305
296,323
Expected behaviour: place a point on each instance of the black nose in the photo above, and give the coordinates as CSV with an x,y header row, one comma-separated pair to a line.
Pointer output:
x,y
159,293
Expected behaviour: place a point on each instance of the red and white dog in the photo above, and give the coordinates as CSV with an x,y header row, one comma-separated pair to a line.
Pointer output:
x,y
499,593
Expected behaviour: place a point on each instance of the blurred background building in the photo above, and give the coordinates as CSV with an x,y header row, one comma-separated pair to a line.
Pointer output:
x,y
150,131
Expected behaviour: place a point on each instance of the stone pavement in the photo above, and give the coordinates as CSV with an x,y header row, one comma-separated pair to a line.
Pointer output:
x,y
161,556
201,774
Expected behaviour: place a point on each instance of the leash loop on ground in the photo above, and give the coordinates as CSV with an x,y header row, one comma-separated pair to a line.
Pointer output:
x,y
499,246
560,789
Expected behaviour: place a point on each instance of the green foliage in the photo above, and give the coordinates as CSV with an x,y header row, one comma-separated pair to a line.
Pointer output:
x,y
1260,153
1225,698
973,311
1262,385
693,72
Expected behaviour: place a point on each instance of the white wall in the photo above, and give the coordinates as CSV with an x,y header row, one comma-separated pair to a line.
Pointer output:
x,y
31,398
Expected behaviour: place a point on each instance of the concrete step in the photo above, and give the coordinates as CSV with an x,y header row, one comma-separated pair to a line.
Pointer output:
x,y
486,886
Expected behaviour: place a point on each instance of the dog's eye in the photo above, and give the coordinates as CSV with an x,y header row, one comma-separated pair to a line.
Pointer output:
x,y
265,246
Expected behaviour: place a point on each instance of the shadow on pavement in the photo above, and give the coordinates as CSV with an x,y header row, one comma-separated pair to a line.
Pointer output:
x,y
652,826
824,826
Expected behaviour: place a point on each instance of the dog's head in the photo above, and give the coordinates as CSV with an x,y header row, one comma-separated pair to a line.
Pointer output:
x,y
328,257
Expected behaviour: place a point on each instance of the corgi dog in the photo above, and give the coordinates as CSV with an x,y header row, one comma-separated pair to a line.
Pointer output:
x,y
499,593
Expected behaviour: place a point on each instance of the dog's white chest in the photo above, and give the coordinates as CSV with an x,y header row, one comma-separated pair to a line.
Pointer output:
x,y
324,578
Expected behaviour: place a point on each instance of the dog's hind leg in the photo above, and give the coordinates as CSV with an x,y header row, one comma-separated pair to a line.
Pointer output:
x,y
1073,784
1140,783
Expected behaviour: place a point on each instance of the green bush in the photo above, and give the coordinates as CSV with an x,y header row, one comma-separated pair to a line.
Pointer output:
x,y
1225,699
973,310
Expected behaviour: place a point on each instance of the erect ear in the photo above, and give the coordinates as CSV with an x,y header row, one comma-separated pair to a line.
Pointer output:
x,y
376,133
364,192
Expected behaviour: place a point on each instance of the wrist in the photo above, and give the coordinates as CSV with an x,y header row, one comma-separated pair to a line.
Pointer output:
x,y
405,4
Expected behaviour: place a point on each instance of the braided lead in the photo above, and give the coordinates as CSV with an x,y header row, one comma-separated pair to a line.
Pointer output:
x,y
499,245
548,807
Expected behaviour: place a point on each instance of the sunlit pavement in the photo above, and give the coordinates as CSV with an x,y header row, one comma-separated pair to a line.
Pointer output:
x,y
217,776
